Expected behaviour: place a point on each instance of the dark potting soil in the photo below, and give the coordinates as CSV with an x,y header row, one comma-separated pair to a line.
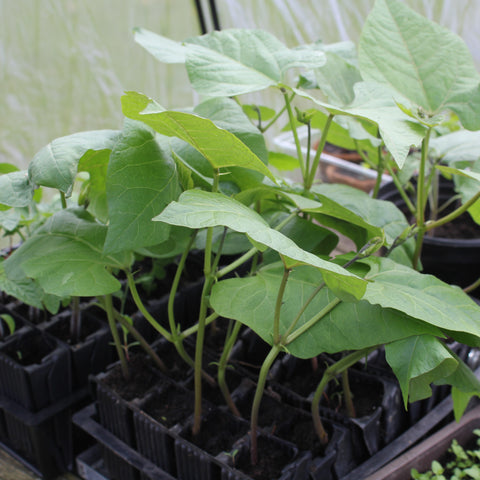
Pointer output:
x,y
367,396
141,378
30,350
302,433
305,379
271,461
61,330
170,406
462,228
217,434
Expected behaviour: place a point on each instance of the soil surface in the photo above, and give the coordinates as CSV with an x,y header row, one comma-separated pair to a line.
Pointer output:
x,y
142,378
271,461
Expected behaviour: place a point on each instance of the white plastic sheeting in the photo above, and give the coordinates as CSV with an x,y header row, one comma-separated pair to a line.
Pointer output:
x,y
65,63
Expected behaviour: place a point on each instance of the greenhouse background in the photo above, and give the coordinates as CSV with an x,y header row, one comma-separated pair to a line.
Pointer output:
x,y
65,63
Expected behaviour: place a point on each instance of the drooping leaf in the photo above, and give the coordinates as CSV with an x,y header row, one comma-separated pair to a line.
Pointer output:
x,y
422,61
417,361
424,297
199,132
65,256
237,61
56,164
141,181
16,189
348,326
375,102
199,209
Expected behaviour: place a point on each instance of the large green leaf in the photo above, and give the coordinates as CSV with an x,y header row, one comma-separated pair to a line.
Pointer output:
x,y
233,62
56,164
375,102
141,181
65,256
423,297
422,61
220,147
349,326
16,189
200,209
417,362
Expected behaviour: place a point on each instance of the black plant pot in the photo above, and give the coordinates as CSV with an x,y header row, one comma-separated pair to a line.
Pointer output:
x,y
91,353
453,260
38,382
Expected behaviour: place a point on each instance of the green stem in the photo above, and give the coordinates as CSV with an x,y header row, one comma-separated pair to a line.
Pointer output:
x,y
295,135
107,300
278,306
63,200
222,367
75,321
194,328
380,169
309,146
421,201
257,399
401,190
472,287
139,304
143,343
318,153
453,215
306,326
174,287
277,116
347,393
207,286
331,372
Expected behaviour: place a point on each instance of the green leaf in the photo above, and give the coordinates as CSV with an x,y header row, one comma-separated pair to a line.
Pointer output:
x,y
459,146
65,256
255,112
162,48
422,61
19,286
199,132
235,61
337,78
8,168
229,115
141,181
283,162
418,361
173,246
16,189
375,103
371,214
199,209
424,297
94,195
56,164
10,322
349,326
